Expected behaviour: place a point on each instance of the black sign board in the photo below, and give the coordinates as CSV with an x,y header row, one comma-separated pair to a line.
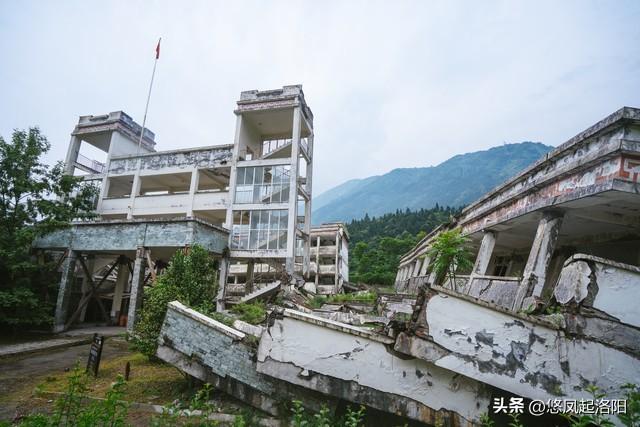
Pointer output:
x,y
94,354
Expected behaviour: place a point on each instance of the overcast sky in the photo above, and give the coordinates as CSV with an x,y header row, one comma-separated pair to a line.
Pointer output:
x,y
391,84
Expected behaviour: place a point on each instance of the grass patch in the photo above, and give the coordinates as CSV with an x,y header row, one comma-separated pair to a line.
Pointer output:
x,y
149,381
253,313
355,297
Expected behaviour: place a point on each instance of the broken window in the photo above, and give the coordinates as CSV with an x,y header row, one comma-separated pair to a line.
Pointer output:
x,y
501,266
260,229
263,184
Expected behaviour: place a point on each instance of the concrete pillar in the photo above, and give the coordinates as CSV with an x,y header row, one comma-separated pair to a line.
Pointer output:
x,y
72,155
64,291
137,288
248,283
293,192
193,189
135,190
86,288
121,283
416,268
222,283
535,271
425,265
317,278
484,253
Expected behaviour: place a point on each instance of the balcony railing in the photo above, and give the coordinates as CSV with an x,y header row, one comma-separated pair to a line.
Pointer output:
x,y
89,165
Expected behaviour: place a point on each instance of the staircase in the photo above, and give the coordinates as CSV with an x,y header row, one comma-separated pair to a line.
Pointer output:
x,y
262,292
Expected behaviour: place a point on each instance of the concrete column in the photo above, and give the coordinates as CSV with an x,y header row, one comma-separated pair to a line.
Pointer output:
x,y
317,261
72,155
193,189
293,192
398,276
64,291
222,283
137,288
135,190
248,283
121,283
416,268
484,253
86,288
535,271
425,265
337,261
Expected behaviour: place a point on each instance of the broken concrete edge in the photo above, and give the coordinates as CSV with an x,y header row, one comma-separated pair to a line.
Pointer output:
x,y
533,319
586,257
199,317
160,409
338,326
71,343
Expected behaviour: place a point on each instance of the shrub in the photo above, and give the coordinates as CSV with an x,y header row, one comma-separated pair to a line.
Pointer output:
x,y
191,279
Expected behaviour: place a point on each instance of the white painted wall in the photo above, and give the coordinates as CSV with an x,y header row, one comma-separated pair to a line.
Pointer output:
x,y
331,352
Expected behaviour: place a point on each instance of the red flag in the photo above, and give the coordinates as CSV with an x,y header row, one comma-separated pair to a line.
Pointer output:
x,y
158,48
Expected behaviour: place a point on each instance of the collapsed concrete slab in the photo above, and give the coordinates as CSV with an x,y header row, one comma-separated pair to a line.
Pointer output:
x,y
525,355
318,361
360,366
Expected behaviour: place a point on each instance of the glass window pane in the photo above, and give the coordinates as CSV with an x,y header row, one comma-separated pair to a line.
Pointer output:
x,y
275,193
253,239
255,219
240,177
245,217
284,219
262,239
257,175
249,176
284,196
282,240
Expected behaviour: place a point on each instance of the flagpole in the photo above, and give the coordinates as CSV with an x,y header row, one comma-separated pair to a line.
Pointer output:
x,y
146,108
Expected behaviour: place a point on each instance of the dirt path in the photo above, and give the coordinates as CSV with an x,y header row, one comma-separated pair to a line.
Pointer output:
x,y
20,375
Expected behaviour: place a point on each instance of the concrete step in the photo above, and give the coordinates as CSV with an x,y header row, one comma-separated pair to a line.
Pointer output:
x,y
263,292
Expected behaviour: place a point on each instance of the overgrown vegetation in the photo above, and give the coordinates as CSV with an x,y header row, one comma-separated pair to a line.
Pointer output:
x,y
449,253
189,278
378,243
34,199
366,297
323,418
253,313
74,409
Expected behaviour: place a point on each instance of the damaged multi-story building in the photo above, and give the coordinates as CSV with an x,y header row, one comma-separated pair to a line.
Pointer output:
x,y
248,203
548,309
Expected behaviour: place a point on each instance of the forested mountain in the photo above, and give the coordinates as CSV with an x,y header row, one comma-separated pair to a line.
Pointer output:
x,y
455,182
377,243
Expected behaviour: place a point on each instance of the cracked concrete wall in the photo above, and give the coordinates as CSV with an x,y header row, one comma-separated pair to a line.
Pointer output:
x,y
530,359
339,361
608,286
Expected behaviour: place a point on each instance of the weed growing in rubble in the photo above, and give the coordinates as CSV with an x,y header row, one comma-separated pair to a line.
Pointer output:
x,y
253,313
300,418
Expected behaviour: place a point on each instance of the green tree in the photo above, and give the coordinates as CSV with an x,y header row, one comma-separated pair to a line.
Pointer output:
x,y
449,253
191,279
34,199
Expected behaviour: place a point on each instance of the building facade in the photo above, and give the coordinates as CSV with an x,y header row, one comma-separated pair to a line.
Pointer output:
x,y
248,203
